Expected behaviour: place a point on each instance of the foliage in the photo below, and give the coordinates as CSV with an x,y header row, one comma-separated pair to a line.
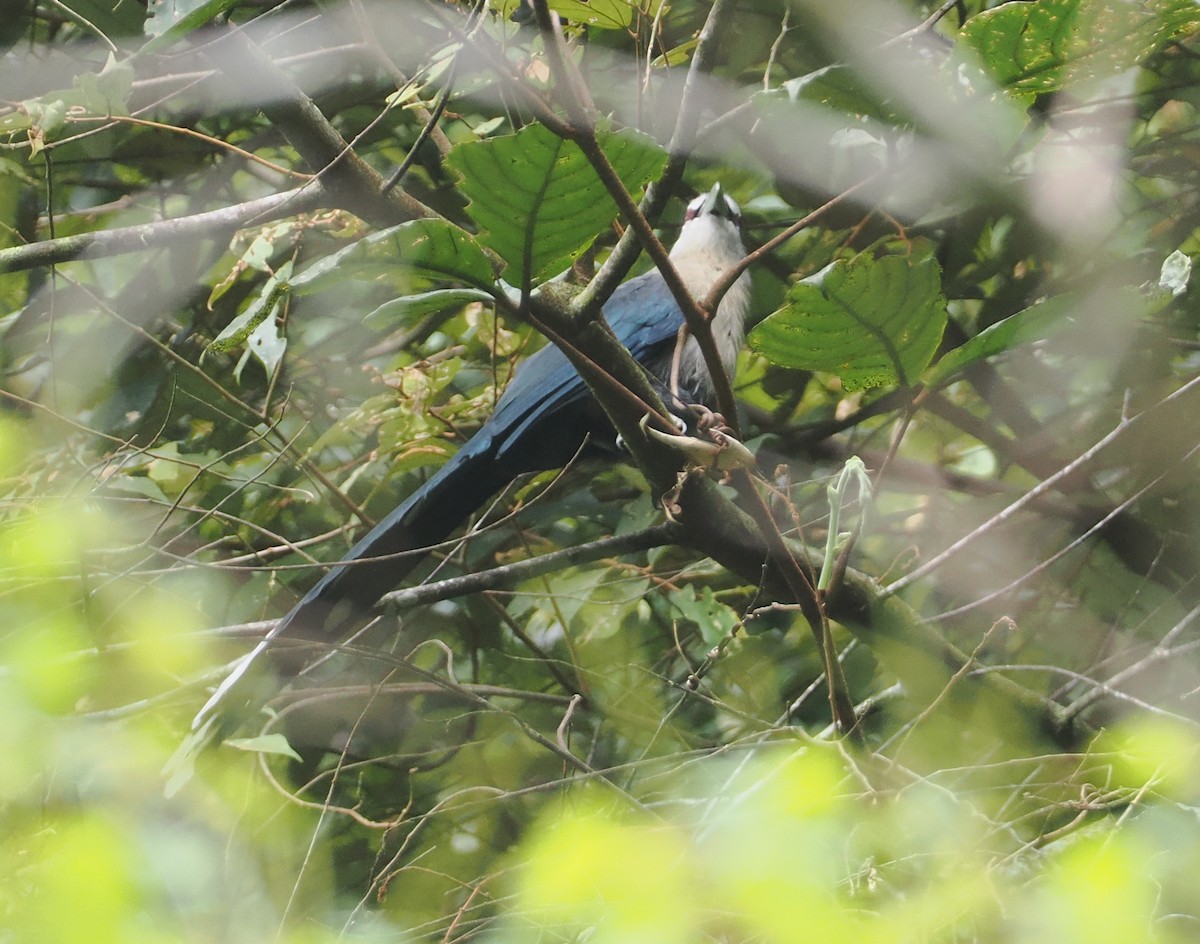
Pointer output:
x,y
226,346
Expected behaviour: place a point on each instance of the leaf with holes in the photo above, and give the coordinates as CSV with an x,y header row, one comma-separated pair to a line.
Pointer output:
x,y
536,198
870,321
1044,46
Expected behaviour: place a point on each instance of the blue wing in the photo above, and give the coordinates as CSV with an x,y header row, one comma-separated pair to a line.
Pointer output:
x,y
644,317
542,419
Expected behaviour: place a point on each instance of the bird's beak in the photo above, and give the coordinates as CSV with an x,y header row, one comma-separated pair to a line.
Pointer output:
x,y
714,202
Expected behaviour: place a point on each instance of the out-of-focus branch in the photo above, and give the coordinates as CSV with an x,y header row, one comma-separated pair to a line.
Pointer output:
x,y
349,181
679,149
533,567
214,224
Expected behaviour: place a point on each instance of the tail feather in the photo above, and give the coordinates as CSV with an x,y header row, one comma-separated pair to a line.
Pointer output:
x,y
375,565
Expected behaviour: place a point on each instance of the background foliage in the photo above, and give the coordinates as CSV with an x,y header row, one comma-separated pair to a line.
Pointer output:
x,y
227,346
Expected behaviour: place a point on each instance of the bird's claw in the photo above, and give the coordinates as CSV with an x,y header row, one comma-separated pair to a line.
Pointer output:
x,y
719,451
678,421
707,419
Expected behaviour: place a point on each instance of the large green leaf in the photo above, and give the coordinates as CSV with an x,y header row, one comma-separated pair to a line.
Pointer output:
x,y
538,201
870,321
1043,46
429,248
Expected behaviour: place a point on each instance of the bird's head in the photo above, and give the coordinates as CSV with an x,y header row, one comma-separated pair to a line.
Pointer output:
x,y
712,225
714,203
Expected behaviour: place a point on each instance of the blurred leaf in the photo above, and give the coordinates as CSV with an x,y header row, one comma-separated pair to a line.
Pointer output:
x,y
538,201
1044,46
1176,273
844,90
711,617
1032,324
414,306
107,92
429,248
113,18
870,321
264,744
170,20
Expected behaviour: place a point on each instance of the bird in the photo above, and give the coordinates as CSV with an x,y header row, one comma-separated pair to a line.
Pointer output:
x,y
544,417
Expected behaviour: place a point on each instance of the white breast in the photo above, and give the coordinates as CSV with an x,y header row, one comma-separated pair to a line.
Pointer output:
x,y
706,247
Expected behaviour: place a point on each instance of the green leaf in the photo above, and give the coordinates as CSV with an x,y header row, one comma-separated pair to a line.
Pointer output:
x,y
1035,323
430,248
711,617
107,92
602,14
842,89
414,306
255,327
537,199
870,321
110,17
1044,46
265,744
170,20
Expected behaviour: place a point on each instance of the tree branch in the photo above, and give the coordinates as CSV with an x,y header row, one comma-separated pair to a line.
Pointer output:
x,y
213,224
533,567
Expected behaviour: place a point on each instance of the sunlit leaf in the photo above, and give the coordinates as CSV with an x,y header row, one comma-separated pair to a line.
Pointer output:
x,y
1043,46
1176,274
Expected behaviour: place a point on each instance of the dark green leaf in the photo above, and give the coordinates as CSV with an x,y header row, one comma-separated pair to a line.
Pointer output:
x,y
537,199
429,248
843,90
1032,324
1041,47
413,306
113,18
870,321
